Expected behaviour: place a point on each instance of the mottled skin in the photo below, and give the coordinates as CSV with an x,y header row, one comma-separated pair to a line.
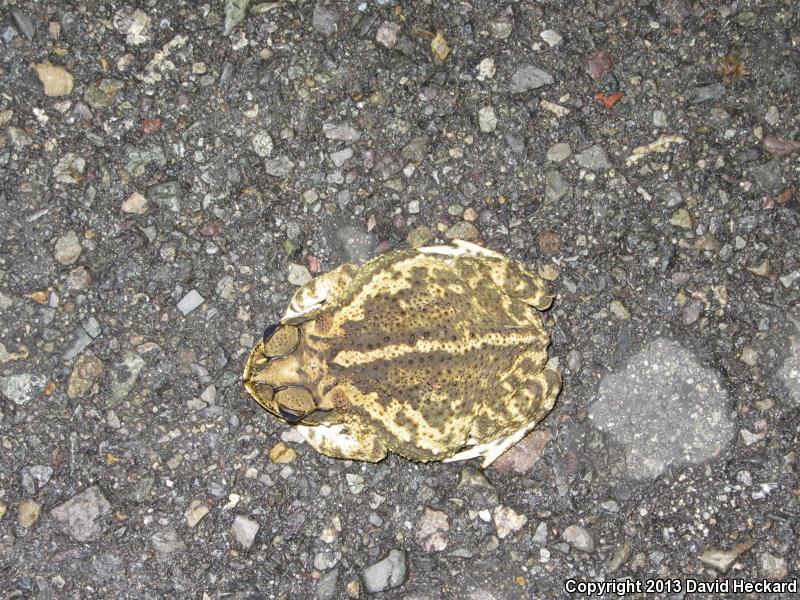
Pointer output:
x,y
434,354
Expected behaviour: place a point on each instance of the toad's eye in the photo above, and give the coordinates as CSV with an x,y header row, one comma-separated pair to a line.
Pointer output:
x,y
290,416
279,340
294,403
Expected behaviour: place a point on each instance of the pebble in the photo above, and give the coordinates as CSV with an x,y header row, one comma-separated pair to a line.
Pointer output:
x,y
577,537
501,26
768,177
419,236
280,454
681,218
137,159
618,309
523,455
28,513
135,204
133,24
298,274
574,360
355,483
70,169
386,574
723,560
324,19
80,517
559,152
540,535
507,521
593,158
310,196
102,95
340,131
692,311
551,37
387,34
279,167
167,195
35,477
22,388
431,530
486,69
195,513
772,116
166,542
487,119
23,23
773,567
87,370
244,530
124,376
749,356
56,81
704,93
555,187
529,77
326,559
326,586
341,157
659,118
190,301
463,230
416,149
67,248
262,144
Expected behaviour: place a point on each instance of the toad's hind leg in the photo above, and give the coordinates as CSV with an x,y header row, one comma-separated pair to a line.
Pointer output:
x,y
512,419
325,288
343,441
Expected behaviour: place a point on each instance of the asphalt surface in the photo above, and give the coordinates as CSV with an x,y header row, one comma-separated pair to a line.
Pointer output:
x,y
171,171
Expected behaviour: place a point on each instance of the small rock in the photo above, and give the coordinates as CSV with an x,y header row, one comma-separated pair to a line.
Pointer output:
x,y
135,204
67,248
431,530
555,186
463,230
768,177
340,131
507,521
87,370
262,144
540,535
354,482
326,559
195,513
692,311
501,26
35,477
70,169
551,37
549,242
522,456
22,388
681,218
416,149
487,119
279,167
298,274
326,586
167,542
29,512
80,517
124,376
773,567
190,301
324,19
618,309
280,453
387,34
23,23
386,574
56,81
704,93
167,195
749,356
486,69
440,47
102,95
244,530
529,77
593,158
723,560
659,118
341,157
598,64
577,537
558,152
419,236
310,196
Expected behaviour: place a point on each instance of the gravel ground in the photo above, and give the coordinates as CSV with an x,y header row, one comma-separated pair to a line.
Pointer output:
x,y
169,172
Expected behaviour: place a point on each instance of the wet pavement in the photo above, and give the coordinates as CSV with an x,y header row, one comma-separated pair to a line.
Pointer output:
x,y
170,172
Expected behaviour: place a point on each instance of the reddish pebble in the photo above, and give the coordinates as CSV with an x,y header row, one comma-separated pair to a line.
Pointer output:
x,y
549,242
210,228
609,100
151,126
314,264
